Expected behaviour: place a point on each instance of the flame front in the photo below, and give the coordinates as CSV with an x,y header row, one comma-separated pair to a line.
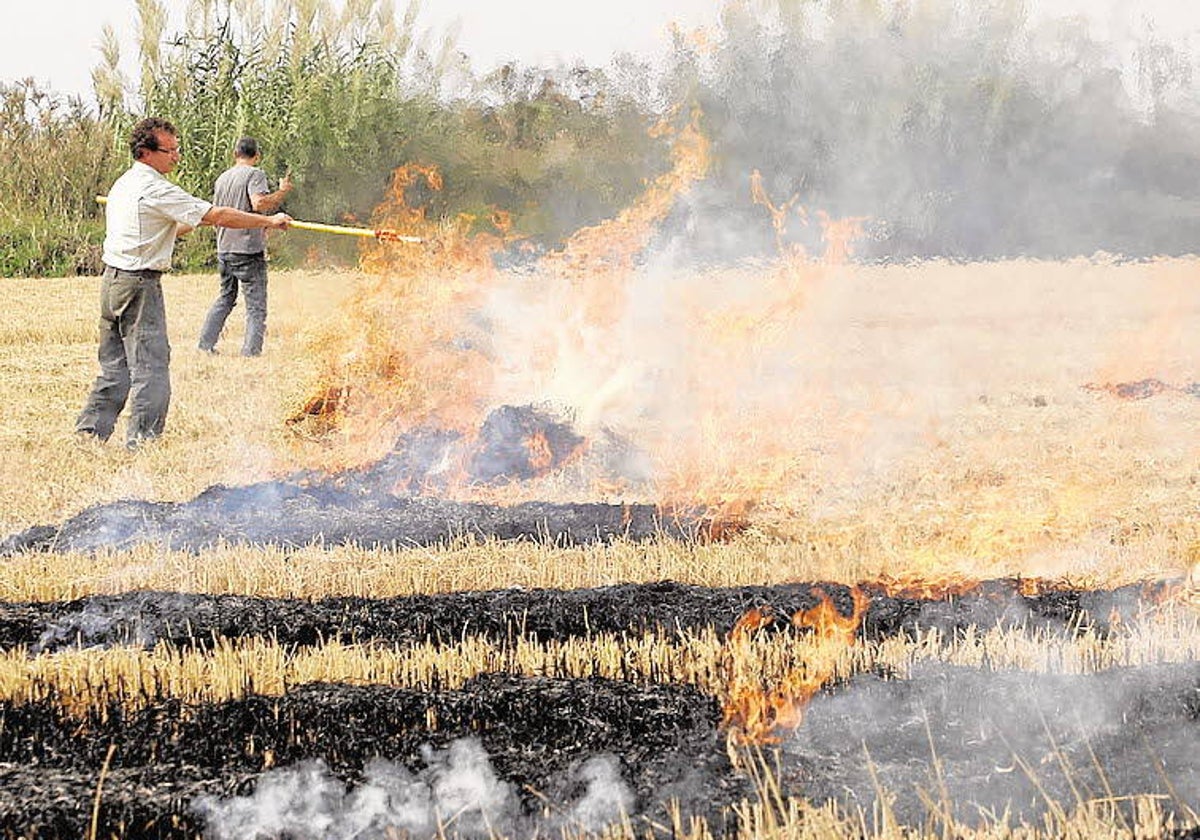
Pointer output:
x,y
437,337
401,354
760,392
758,714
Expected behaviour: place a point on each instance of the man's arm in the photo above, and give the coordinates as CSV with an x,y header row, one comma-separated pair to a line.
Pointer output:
x,y
231,217
270,202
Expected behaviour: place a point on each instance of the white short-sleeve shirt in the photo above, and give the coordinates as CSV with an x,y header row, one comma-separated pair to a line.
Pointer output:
x,y
141,216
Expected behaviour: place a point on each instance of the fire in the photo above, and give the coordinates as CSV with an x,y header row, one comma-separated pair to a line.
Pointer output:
x,y
757,715
540,454
827,623
915,584
744,449
319,413
753,621
394,359
1183,591
682,366
778,212
599,261
411,349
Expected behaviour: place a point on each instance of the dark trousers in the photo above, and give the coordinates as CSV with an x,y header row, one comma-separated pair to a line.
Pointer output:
x,y
135,358
250,272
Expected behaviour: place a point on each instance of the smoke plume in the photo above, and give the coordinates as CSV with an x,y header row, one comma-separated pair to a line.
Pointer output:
x,y
456,794
961,130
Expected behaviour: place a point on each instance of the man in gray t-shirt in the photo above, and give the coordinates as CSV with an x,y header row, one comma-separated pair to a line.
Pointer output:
x,y
241,254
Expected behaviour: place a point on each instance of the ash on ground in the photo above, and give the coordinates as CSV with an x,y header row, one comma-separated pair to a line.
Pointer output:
x,y
188,620
396,501
986,746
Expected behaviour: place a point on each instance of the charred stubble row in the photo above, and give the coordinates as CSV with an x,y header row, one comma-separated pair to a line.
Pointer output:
x,y
193,620
972,742
1010,743
662,741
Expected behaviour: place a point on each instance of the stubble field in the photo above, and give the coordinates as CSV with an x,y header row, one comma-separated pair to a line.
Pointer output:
x,y
997,491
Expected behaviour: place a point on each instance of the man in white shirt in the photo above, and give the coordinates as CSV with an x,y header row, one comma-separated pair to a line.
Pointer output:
x,y
144,214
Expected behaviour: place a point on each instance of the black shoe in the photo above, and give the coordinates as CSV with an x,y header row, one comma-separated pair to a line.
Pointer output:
x,y
212,351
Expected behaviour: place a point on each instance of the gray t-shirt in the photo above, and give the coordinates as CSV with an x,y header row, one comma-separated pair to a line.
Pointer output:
x,y
233,189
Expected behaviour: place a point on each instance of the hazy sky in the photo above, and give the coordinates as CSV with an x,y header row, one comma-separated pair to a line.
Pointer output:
x,y
55,41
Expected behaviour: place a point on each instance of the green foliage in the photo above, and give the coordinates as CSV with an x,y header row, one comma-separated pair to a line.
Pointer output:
x,y
959,130
54,159
341,112
322,109
41,247
339,102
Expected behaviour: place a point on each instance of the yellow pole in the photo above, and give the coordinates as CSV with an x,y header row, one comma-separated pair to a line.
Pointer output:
x,y
383,235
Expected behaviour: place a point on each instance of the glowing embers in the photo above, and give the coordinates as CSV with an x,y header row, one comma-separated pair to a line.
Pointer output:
x,y
929,587
521,443
319,414
755,714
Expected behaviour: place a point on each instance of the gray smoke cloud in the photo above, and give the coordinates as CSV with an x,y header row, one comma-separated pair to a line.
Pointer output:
x,y
1003,746
962,130
137,620
457,794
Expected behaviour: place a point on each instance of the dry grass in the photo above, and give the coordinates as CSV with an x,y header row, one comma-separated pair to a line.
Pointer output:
x,y
946,435
943,425
224,421
90,680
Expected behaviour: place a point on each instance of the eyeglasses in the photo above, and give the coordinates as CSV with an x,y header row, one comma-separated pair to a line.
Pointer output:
x,y
177,150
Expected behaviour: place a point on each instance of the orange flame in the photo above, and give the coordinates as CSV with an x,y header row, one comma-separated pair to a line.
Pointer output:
x,y
409,349
778,213
729,465
754,620
599,260
394,359
754,715
829,624
437,335
920,585
541,456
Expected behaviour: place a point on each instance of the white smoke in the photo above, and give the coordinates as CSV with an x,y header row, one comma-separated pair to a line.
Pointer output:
x,y
136,620
457,794
1015,745
607,798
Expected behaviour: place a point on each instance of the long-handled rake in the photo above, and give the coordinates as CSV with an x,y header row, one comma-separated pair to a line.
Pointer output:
x,y
382,234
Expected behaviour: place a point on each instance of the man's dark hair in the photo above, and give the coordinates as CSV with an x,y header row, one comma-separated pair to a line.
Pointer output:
x,y
143,137
247,148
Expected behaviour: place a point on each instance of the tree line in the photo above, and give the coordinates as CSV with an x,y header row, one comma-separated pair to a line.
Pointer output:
x,y
967,131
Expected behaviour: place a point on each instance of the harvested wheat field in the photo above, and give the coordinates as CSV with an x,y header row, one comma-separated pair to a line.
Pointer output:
x,y
619,547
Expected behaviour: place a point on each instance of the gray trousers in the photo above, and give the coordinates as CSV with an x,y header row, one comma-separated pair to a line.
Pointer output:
x,y
250,272
135,358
